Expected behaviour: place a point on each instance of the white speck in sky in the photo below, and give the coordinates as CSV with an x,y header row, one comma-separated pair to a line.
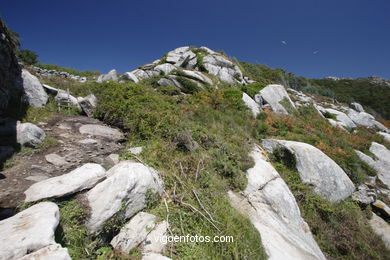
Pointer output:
x,y
284,42
315,52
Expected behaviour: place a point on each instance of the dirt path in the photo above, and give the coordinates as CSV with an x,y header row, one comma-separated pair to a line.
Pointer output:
x,y
74,147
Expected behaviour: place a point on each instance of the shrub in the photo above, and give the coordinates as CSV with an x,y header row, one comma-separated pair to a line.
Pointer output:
x,y
253,89
27,57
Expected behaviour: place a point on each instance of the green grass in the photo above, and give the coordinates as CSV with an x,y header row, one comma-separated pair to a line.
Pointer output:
x,y
220,123
86,73
340,229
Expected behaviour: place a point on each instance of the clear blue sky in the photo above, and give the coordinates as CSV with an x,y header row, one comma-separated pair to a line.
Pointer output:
x,y
351,37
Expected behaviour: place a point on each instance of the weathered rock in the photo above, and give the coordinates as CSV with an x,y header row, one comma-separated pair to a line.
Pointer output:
x,y
128,182
166,68
382,209
223,68
272,209
196,75
385,135
185,141
365,119
102,131
130,76
251,104
364,195
342,120
153,242
357,107
170,81
88,104
84,177
315,168
136,150
33,90
112,75
52,252
182,57
29,230
381,228
50,90
55,159
28,134
112,159
11,89
275,95
381,163
65,98
134,232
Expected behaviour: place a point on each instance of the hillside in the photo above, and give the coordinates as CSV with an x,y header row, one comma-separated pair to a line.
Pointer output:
x,y
194,143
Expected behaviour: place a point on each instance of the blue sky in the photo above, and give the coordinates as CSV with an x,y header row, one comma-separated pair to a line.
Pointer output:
x,y
351,38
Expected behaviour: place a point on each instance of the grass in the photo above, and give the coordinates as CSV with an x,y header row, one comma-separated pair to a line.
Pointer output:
x,y
340,229
86,73
309,127
219,122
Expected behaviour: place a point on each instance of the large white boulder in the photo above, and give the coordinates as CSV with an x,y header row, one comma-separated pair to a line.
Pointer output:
x,y
130,76
125,188
274,95
101,131
182,57
29,230
381,162
134,232
386,136
342,120
365,119
166,68
381,228
52,252
315,168
251,104
28,134
196,75
271,207
112,75
84,177
33,90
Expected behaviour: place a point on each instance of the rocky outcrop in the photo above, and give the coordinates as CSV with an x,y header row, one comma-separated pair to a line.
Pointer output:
x,y
315,168
101,131
124,189
364,194
381,162
357,107
112,75
28,231
28,134
251,104
342,120
223,68
365,119
10,72
33,90
277,98
271,207
84,177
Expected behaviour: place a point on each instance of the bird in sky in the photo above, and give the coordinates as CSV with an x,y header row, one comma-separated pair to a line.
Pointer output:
x,y
315,52
284,42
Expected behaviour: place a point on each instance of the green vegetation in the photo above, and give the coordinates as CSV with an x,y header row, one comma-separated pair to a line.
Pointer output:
x,y
309,127
253,89
219,122
27,57
340,229
367,93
